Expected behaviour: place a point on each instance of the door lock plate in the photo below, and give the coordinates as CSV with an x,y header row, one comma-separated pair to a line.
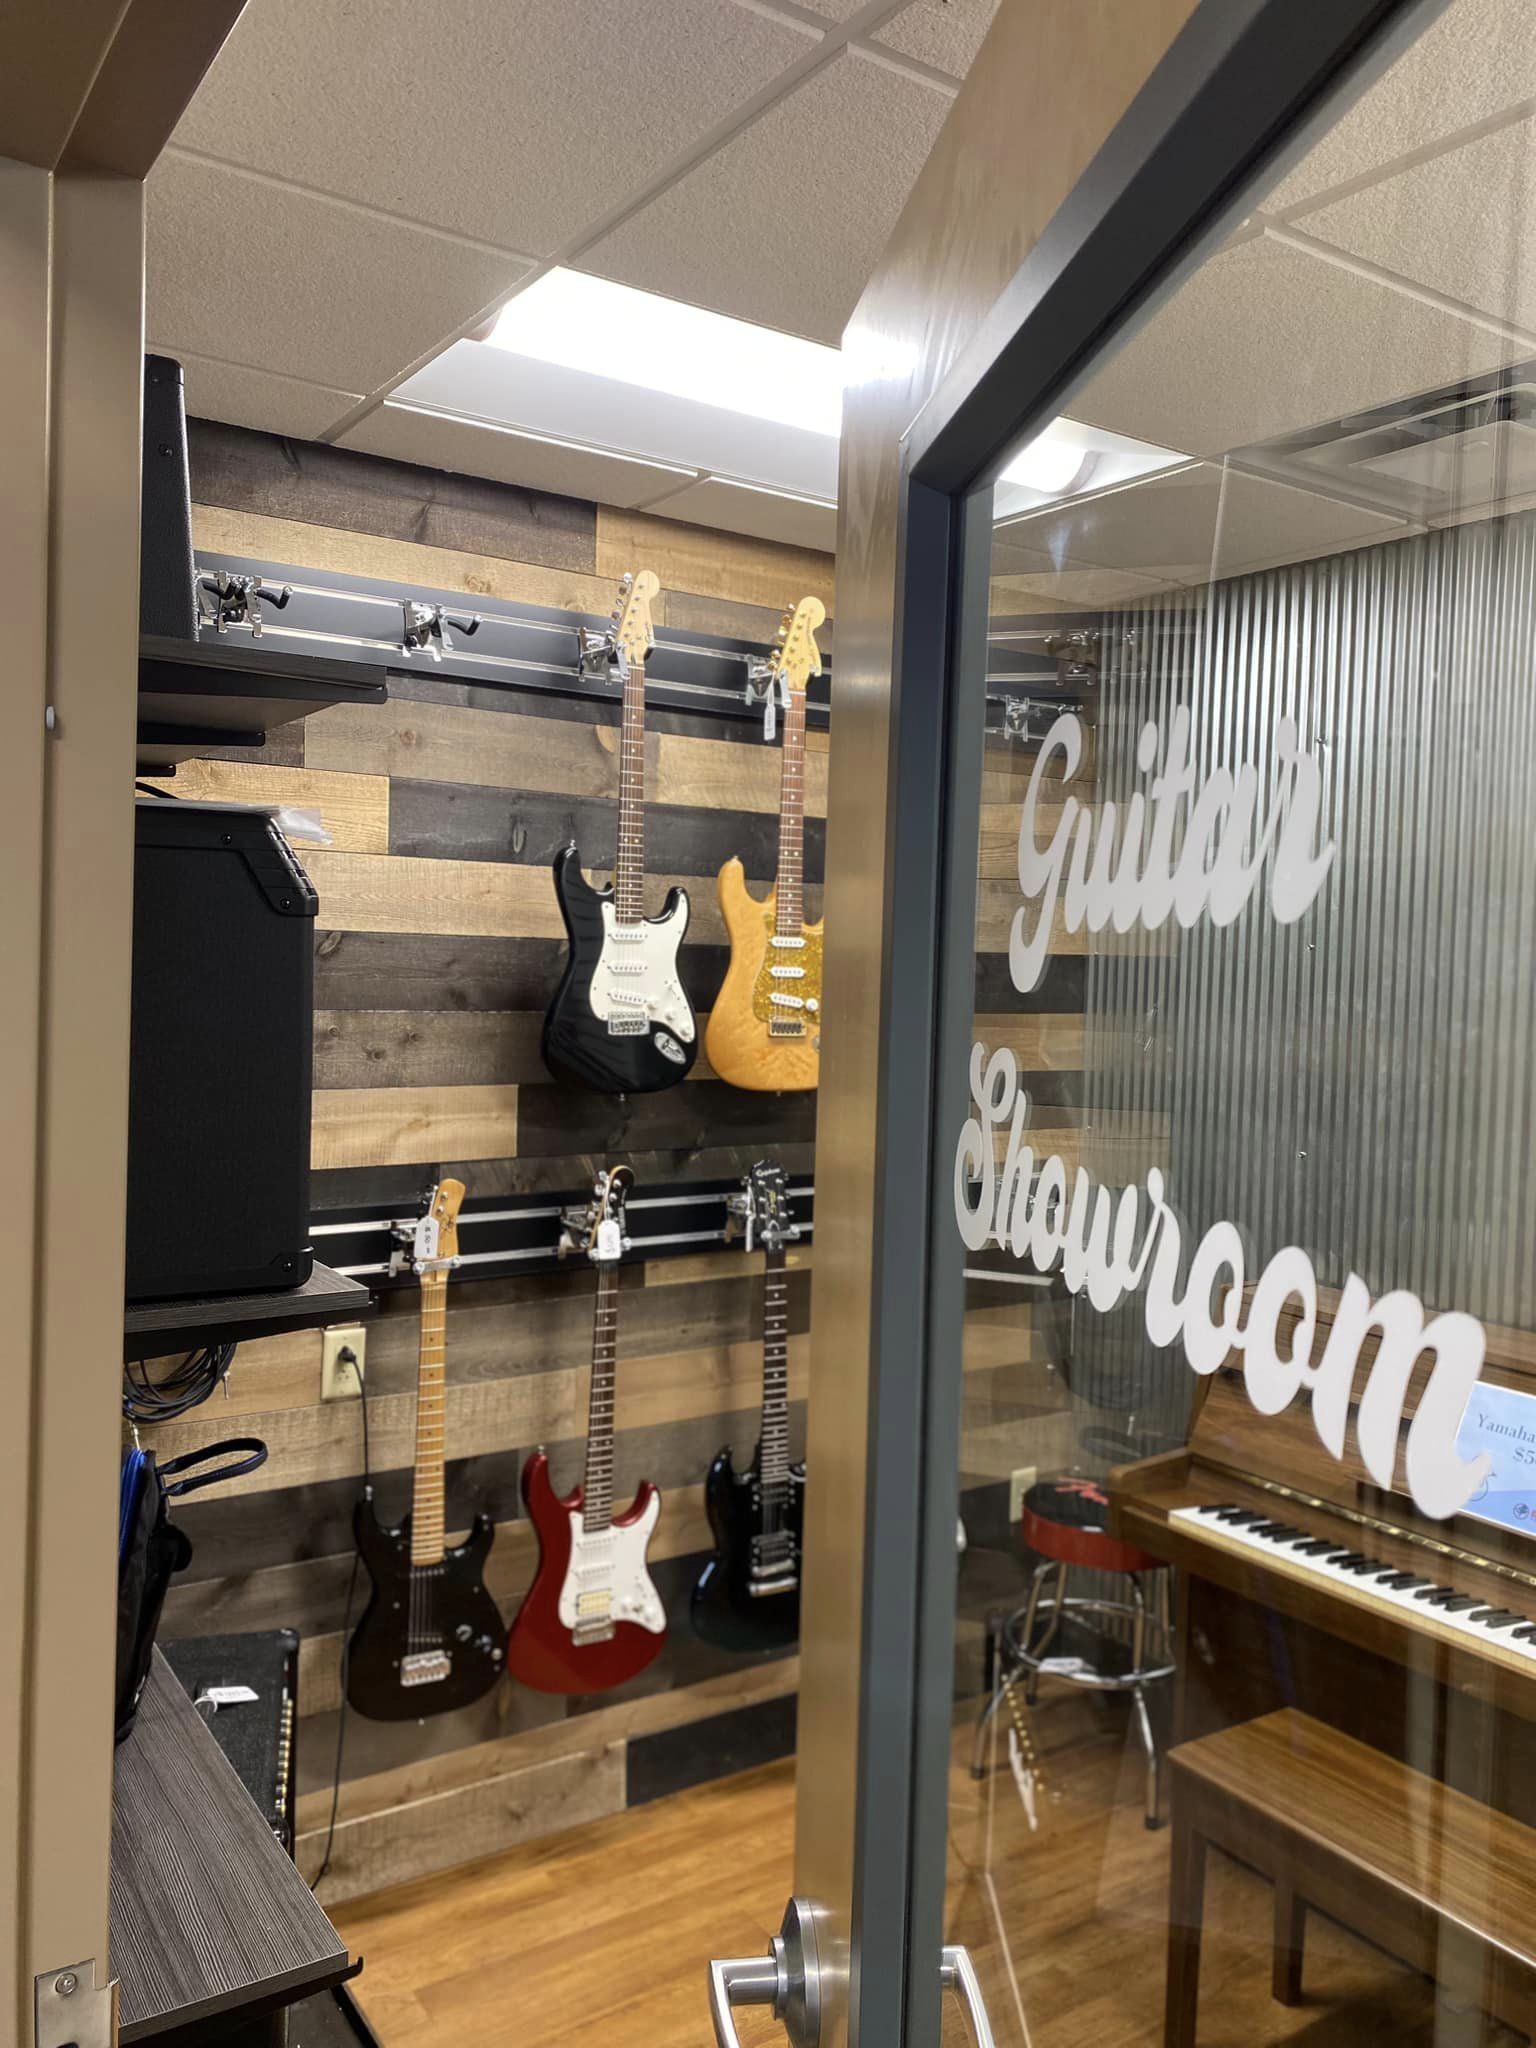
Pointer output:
x,y
71,2012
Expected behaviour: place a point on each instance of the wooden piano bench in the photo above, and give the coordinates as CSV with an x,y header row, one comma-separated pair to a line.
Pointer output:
x,y
1425,1872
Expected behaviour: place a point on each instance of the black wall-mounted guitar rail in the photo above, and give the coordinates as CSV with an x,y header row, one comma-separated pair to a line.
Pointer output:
x,y
504,1234
423,633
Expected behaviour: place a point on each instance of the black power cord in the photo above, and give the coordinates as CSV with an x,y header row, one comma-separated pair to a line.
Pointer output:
x,y
188,1383
346,1356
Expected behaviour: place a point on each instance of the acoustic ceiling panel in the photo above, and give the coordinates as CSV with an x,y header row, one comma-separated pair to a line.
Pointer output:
x,y
1266,338
256,398
1419,224
510,458
1475,62
944,33
783,224
515,122
276,278
735,508
1212,521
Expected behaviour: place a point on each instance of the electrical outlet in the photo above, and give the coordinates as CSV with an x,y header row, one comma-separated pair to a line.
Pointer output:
x,y
1019,1483
338,1382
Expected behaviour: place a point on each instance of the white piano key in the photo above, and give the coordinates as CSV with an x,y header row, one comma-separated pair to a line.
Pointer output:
x,y
1366,1586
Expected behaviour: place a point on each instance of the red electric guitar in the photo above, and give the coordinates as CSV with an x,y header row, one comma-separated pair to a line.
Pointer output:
x,y
591,1620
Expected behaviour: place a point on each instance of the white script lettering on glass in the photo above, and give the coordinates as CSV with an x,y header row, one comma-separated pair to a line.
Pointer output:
x,y
1140,880
1110,1243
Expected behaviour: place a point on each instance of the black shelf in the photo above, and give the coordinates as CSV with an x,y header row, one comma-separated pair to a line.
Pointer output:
x,y
191,1958
218,692
154,1328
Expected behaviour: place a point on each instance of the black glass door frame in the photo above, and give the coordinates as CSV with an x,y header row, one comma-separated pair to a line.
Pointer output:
x,y
1241,92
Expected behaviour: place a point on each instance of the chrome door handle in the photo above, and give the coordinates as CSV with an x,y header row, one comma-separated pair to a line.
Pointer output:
x,y
957,1973
741,1980
787,1978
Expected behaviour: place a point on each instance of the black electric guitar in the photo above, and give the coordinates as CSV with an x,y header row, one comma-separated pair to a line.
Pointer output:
x,y
748,1595
432,1638
620,1020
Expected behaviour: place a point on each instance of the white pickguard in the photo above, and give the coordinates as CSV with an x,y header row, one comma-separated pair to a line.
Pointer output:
x,y
610,1564
636,974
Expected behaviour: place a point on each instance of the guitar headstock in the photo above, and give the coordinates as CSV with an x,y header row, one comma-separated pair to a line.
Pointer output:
x,y
599,1234
770,1224
434,1238
633,629
796,657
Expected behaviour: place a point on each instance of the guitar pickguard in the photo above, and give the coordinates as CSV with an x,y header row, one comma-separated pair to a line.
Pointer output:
x,y
787,993
607,1579
635,982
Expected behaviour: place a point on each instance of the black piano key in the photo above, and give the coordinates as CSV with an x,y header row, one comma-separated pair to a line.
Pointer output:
x,y
1459,1603
1363,1567
1238,1516
1435,1596
1317,1546
1281,1532
1346,1558
1403,1582
1496,1617
1526,1634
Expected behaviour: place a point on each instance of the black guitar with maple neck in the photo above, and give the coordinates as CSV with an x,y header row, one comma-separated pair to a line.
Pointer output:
x,y
621,1020
748,1595
432,1638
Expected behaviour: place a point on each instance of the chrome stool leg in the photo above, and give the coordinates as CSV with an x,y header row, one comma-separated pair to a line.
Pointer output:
x,y
1058,1607
1139,1700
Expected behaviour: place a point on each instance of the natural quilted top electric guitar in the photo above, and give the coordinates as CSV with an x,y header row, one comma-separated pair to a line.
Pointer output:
x,y
620,1020
765,1028
592,1618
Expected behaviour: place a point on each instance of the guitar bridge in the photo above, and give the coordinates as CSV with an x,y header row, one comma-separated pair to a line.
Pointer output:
x,y
774,1567
598,1630
785,1027
425,1667
627,1027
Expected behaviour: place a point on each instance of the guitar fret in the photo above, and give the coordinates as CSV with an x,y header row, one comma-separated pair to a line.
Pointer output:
x,y
629,864
789,916
597,1480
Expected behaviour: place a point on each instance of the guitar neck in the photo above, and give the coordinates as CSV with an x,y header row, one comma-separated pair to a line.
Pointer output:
x,y
629,861
790,914
597,1484
427,1490
773,1434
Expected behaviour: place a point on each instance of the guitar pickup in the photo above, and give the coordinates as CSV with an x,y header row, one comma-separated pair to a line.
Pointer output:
x,y
775,940
786,1002
787,973
425,1667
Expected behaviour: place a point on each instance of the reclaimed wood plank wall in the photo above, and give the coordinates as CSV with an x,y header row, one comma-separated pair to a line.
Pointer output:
x,y
437,949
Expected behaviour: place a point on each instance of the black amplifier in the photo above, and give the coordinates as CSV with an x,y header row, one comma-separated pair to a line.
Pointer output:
x,y
223,1029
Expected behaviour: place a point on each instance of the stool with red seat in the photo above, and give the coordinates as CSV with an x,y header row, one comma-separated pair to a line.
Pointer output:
x,y
1065,1522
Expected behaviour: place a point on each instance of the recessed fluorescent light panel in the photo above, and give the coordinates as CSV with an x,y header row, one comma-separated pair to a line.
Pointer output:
x,y
1069,460
634,337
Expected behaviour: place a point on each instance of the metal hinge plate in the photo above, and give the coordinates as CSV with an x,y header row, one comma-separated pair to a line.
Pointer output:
x,y
71,2012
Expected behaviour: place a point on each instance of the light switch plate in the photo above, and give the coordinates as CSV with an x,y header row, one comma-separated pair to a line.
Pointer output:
x,y
338,1382
1019,1483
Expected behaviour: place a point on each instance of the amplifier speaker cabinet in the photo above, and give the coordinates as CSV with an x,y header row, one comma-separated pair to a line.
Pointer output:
x,y
219,1099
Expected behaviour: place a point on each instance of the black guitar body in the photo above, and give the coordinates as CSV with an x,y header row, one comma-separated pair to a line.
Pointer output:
x,y
750,1530
436,1625
577,1043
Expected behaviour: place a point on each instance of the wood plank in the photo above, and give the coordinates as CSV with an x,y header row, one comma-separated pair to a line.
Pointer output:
x,y
698,1266
444,971
623,1719
1039,1042
442,1049
325,486
354,809
261,537
368,892
480,1820
387,1126
521,750
711,564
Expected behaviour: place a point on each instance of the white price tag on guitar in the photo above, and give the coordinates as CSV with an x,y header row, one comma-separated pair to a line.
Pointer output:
x,y
610,1240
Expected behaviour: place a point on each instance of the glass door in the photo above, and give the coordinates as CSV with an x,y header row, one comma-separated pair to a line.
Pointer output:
x,y
1241,1189
1198,1595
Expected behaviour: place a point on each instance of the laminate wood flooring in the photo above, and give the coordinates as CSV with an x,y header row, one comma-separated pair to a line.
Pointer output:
x,y
602,1933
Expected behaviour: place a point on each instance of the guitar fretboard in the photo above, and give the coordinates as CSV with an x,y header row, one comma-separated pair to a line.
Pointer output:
x,y
629,861
597,1485
773,1466
427,1490
790,914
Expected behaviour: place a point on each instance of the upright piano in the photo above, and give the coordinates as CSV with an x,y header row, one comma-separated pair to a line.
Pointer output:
x,y
1301,1582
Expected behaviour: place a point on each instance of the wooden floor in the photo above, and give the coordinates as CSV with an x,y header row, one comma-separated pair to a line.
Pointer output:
x,y
602,1934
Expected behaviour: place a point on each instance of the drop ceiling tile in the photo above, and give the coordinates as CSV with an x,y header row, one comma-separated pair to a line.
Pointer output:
x,y
276,278
1266,338
474,449
1477,59
1074,588
1459,223
944,33
735,508
516,122
255,398
1220,522
784,224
